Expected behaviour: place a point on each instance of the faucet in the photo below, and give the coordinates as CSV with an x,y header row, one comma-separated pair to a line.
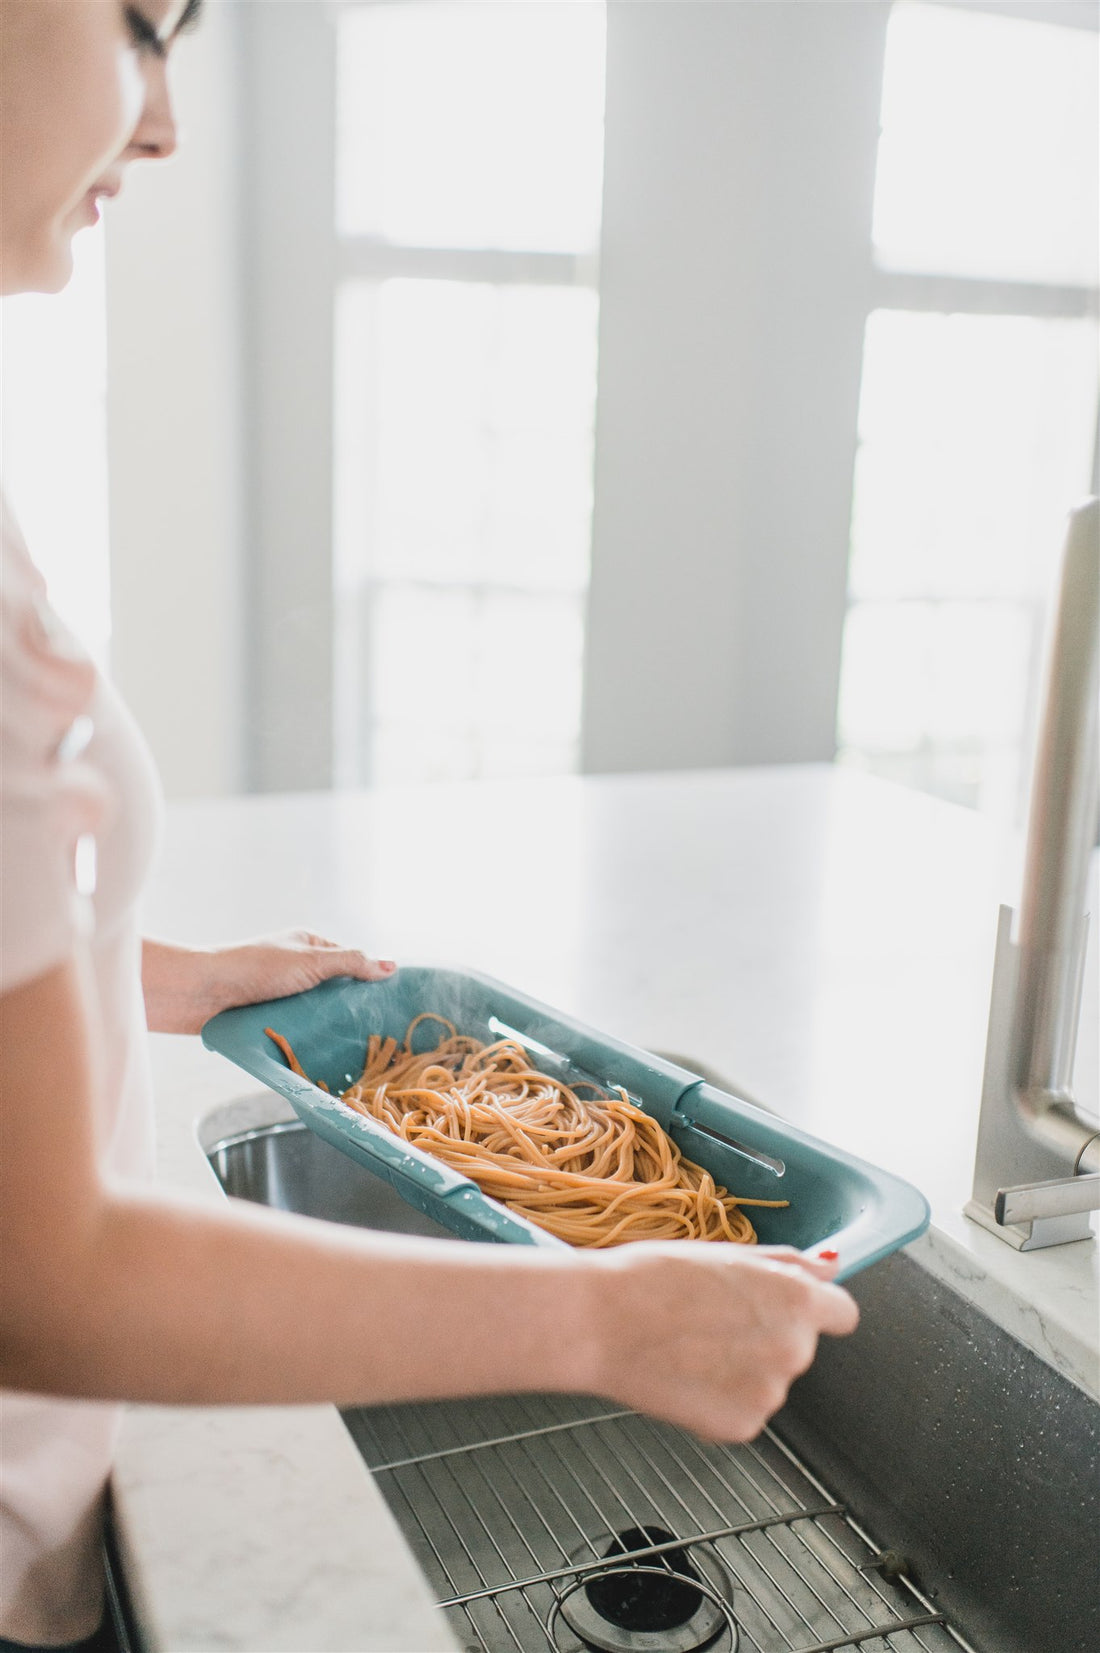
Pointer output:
x,y
1037,1166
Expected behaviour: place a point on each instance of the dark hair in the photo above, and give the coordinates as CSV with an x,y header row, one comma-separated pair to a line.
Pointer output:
x,y
190,16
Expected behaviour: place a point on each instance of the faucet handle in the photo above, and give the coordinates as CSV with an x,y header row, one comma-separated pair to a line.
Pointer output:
x,y
1058,1210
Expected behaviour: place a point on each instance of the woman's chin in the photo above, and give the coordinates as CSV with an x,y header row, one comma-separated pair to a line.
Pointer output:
x,y
55,268
46,266
43,276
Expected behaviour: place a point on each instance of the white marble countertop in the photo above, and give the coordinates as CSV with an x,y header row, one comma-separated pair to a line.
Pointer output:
x,y
821,941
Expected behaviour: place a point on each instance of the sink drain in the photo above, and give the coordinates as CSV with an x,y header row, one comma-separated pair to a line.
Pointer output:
x,y
662,1603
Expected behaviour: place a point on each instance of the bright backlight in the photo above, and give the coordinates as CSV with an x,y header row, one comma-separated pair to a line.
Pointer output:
x,y
988,163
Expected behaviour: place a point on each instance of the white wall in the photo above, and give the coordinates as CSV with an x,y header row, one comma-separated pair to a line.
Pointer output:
x,y
735,269
174,422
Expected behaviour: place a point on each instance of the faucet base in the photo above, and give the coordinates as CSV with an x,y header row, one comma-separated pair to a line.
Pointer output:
x,y
1017,1173
1034,1235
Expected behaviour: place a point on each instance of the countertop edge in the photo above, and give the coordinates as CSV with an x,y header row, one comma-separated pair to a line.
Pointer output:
x,y
1056,1340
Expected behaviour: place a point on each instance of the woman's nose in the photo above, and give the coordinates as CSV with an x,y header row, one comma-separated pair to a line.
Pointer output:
x,y
155,136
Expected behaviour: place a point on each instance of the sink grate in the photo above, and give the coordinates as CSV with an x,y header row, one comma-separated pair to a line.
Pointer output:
x,y
506,1501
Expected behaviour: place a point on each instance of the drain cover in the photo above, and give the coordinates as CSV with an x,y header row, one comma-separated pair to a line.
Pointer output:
x,y
665,1603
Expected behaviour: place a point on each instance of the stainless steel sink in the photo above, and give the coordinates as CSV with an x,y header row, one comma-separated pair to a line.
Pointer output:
x,y
560,1523
284,1165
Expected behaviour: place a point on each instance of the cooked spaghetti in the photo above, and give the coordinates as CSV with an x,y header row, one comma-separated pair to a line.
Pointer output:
x,y
594,1170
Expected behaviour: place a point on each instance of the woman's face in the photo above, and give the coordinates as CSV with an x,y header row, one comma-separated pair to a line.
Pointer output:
x,y
83,91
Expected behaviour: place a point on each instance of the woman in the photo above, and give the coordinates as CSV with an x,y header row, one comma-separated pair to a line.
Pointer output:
x,y
110,1291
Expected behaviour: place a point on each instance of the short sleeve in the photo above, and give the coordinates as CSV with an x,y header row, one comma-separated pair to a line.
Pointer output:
x,y
49,799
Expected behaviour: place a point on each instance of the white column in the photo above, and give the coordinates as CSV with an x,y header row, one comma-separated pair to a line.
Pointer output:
x,y
289,233
735,264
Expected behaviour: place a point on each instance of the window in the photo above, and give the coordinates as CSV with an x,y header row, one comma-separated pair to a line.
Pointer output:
x,y
978,405
469,161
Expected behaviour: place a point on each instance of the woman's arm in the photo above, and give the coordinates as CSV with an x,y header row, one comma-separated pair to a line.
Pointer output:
x,y
185,986
114,1292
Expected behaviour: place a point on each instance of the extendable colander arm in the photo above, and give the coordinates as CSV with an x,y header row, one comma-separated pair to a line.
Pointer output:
x,y
1035,1172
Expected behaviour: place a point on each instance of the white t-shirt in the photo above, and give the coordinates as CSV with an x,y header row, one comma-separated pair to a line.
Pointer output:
x,y
55,1455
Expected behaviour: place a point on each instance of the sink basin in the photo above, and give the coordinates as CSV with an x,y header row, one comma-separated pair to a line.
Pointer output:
x,y
970,1461
284,1165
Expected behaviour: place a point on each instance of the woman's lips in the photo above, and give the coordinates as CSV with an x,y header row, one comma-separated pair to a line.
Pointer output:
x,y
97,193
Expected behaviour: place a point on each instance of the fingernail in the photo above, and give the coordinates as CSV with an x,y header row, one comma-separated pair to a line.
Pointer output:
x,y
828,1256
386,964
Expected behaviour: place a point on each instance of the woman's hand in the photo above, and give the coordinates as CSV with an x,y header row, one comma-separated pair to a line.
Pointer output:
x,y
710,1337
185,986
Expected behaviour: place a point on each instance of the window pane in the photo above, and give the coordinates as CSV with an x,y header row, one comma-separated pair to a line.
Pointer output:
x,y
54,422
884,683
474,125
935,696
464,433
944,673
976,437
465,409
988,160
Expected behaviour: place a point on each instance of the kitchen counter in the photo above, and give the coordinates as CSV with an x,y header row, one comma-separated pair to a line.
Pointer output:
x,y
818,940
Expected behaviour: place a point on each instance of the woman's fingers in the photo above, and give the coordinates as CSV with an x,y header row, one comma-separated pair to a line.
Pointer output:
x,y
841,1312
332,958
814,1300
822,1265
350,962
838,1310
328,960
